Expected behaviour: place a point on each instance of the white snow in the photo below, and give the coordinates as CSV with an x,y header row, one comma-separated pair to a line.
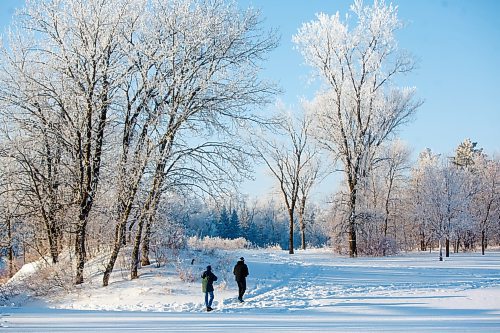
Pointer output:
x,y
312,290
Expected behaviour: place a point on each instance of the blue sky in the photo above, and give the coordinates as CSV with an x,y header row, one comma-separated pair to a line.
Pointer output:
x,y
457,43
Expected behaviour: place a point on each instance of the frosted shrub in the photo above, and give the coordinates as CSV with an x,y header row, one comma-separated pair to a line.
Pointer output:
x,y
275,247
185,274
378,246
388,246
39,278
212,243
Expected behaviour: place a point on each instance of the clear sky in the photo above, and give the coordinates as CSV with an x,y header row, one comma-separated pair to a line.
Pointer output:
x,y
457,43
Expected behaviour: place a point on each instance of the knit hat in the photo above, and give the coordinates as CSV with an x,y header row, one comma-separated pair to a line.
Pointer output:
x,y
209,268
242,259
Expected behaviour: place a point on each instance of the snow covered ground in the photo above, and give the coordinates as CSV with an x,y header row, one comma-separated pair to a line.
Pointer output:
x,y
310,291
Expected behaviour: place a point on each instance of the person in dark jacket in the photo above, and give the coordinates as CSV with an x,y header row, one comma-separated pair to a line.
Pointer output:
x,y
240,272
207,286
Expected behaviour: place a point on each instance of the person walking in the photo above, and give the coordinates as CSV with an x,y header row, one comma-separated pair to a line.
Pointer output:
x,y
240,272
207,286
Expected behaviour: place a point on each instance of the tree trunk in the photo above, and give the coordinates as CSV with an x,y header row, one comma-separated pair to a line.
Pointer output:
x,y
440,250
145,245
10,254
483,241
387,211
11,261
303,237
422,241
302,222
290,243
119,235
135,252
53,242
80,252
447,247
353,249
120,238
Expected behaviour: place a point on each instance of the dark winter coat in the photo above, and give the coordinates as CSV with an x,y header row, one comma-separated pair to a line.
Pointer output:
x,y
240,271
207,285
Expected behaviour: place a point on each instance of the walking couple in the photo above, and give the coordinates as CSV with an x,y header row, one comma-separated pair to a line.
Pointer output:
x,y
240,272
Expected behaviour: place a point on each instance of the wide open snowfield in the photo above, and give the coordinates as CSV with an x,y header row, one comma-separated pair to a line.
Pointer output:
x,y
311,291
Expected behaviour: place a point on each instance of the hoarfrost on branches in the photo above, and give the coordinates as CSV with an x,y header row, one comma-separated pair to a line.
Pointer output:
x,y
359,108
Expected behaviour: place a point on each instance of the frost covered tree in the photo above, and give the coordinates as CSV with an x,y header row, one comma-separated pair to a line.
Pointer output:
x,y
466,153
38,181
246,209
381,200
394,163
209,80
446,197
65,67
416,196
11,212
293,164
395,160
135,122
361,107
485,206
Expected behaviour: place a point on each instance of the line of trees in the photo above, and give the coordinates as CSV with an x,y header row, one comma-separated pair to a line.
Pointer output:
x,y
434,203
109,104
404,205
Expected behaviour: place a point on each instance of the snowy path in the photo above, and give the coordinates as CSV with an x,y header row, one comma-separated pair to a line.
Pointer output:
x,y
308,281
311,291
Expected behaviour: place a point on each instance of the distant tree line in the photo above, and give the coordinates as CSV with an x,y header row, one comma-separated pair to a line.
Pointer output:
x,y
450,203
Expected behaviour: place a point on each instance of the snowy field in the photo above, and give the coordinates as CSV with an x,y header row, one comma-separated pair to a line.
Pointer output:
x,y
311,291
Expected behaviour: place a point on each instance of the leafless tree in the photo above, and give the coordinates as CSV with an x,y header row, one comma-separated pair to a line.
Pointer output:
x,y
293,162
486,201
361,108
65,63
209,80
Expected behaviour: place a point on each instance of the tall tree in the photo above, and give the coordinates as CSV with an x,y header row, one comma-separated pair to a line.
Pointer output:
x,y
308,177
446,197
394,160
234,224
68,52
361,107
209,79
291,161
486,201
466,153
416,197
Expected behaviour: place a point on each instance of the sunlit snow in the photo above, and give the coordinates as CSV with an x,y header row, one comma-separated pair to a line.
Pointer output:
x,y
313,290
